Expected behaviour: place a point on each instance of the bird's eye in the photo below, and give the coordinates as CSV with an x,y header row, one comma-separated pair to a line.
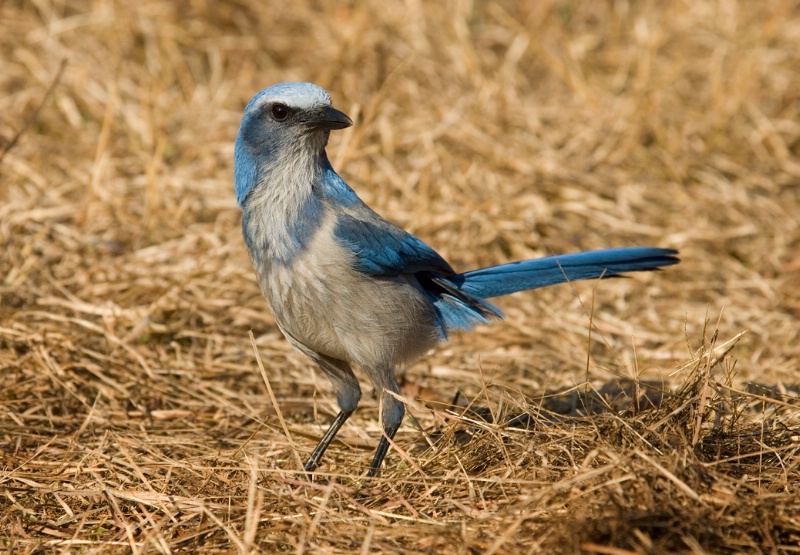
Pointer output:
x,y
279,112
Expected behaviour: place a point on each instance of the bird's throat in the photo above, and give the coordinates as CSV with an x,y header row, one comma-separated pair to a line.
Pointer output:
x,y
283,211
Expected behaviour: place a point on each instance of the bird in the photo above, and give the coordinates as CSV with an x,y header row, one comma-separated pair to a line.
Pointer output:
x,y
346,287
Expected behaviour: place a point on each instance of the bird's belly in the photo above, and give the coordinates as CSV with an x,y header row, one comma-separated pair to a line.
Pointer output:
x,y
321,302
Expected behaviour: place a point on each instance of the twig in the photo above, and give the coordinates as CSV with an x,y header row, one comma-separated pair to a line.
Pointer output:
x,y
275,401
35,115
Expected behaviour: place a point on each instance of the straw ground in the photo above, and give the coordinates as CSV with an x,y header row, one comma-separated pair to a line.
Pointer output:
x,y
643,415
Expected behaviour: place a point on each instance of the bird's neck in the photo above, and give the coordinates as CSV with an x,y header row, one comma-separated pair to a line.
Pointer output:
x,y
284,210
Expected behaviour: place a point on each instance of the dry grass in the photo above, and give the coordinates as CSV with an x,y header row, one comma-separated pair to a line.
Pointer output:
x,y
133,417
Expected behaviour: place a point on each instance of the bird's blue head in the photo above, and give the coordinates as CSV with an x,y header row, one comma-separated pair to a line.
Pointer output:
x,y
280,119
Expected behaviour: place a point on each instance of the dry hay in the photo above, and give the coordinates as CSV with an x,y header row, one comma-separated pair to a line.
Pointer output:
x,y
602,418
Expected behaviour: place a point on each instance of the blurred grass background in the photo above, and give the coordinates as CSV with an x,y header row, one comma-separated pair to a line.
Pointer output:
x,y
494,131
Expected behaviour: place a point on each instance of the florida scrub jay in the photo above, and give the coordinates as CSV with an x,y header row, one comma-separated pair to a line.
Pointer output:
x,y
347,287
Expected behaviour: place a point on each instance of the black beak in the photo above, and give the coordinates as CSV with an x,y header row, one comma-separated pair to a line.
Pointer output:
x,y
329,118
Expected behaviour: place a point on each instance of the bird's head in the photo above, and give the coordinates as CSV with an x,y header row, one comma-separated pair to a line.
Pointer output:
x,y
284,119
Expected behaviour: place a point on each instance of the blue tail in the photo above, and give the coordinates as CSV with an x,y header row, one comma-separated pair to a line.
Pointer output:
x,y
459,299
541,272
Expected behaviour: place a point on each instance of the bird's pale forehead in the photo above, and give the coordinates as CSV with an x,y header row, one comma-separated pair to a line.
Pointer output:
x,y
302,96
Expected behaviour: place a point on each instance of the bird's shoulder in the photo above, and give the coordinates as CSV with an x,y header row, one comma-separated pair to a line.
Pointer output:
x,y
380,248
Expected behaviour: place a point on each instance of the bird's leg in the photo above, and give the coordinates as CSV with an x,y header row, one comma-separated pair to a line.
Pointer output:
x,y
347,390
380,452
313,460
392,412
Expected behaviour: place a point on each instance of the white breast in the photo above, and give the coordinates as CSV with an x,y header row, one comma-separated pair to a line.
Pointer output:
x,y
326,305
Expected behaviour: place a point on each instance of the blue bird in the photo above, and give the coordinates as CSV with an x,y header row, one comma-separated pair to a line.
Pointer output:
x,y
347,287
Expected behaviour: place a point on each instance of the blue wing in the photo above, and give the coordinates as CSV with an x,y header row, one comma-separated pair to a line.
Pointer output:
x,y
382,249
